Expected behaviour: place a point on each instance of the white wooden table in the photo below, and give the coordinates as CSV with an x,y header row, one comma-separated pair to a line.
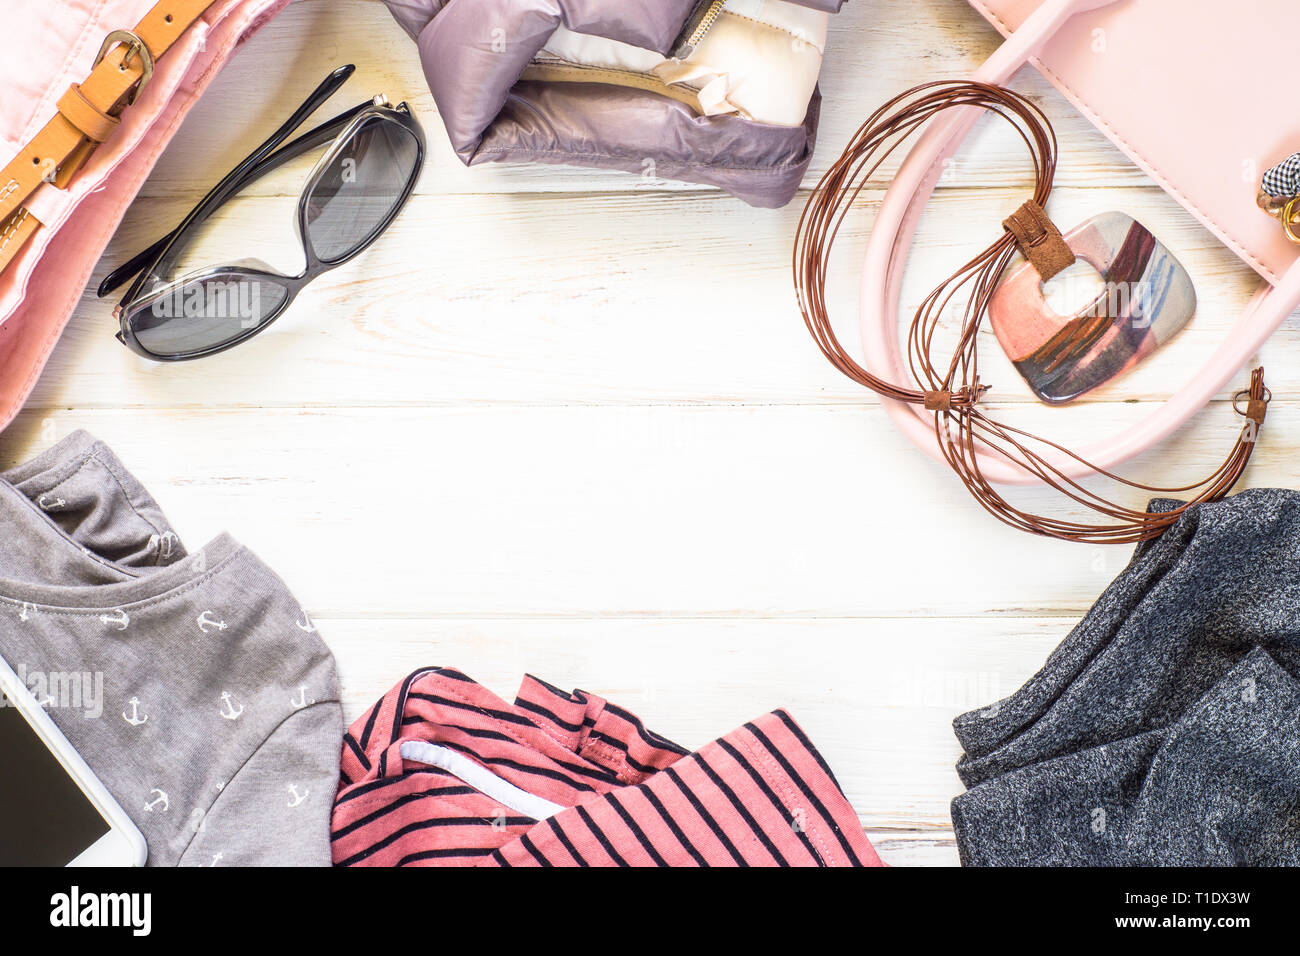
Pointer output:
x,y
570,423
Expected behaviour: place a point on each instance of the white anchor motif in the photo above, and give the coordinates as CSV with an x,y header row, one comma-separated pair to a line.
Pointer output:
x,y
217,859
302,700
135,720
165,542
119,619
296,797
230,712
24,614
305,624
49,505
207,623
160,799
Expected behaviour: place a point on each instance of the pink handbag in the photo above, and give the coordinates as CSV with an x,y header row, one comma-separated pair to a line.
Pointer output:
x,y
1149,74
61,226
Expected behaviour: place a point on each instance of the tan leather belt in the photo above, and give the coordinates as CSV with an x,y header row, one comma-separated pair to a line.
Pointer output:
x,y
88,114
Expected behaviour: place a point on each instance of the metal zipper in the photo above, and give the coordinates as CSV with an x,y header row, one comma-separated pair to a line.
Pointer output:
x,y
697,26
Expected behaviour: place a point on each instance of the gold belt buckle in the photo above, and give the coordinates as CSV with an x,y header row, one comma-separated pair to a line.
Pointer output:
x,y
135,48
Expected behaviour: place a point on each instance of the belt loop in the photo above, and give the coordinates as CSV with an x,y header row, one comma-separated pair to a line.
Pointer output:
x,y
94,124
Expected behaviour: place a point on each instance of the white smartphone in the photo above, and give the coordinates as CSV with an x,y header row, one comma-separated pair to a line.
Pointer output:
x,y
53,810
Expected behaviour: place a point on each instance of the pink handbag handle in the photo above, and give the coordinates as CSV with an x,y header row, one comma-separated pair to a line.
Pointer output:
x,y
892,237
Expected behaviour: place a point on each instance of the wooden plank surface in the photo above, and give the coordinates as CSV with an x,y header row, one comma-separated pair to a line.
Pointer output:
x,y
568,422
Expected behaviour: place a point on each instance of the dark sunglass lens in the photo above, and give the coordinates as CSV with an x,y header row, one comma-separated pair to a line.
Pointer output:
x,y
206,313
361,188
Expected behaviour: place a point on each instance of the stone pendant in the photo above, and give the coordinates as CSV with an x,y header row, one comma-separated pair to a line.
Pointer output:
x,y
1147,297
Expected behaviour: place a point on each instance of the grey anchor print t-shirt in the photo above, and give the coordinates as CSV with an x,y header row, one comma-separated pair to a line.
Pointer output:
x,y
192,683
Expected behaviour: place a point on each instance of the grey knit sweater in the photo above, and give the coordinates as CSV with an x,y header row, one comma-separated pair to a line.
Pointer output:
x,y
1165,729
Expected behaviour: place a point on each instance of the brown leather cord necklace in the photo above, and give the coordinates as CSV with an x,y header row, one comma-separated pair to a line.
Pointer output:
x,y
952,391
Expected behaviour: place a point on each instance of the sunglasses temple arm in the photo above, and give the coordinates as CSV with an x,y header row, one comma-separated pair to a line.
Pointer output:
x,y
327,88
312,139
240,177
129,268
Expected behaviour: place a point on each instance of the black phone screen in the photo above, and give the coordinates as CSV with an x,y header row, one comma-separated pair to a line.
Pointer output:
x,y
45,819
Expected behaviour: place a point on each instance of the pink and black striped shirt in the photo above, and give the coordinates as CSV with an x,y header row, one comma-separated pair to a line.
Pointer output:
x,y
443,772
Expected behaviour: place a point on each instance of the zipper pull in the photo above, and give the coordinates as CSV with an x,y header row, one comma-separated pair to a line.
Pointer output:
x,y
698,24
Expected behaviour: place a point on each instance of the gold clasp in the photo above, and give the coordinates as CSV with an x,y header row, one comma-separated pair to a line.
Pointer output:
x,y
1284,209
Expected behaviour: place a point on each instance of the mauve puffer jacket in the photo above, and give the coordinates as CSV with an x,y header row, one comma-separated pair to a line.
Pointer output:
x,y
595,83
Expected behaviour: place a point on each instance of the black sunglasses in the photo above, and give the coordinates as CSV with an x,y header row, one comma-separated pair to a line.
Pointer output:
x,y
352,195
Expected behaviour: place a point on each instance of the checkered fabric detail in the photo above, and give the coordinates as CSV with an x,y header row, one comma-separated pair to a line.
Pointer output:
x,y
1283,180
